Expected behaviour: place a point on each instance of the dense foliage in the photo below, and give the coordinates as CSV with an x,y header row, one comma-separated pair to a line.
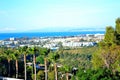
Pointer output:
x,y
108,54
80,57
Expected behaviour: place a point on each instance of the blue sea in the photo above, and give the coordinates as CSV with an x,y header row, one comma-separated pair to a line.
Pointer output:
x,y
46,34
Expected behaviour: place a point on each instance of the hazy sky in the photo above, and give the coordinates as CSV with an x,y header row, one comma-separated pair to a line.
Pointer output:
x,y
57,15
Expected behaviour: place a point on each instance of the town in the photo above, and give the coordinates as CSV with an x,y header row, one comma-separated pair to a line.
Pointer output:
x,y
54,43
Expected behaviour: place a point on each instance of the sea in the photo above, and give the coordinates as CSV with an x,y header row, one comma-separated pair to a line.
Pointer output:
x,y
4,36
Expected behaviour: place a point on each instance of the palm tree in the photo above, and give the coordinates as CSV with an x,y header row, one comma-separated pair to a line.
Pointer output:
x,y
45,62
1,57
24,52
55,69
65,70
44,52
34,50
53,58
17,54
8,54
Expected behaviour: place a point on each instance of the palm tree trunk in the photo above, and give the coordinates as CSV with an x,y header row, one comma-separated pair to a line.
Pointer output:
x,y
8,67
45,69
67,76
55,67
16,68
34,61
25,67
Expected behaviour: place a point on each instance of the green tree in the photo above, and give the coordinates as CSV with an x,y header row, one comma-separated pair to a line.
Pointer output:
x,y
8,54
117,25
109,36
17,54
117,31
3,69
25,51
40,59
65,70
99,74
53,57
107,58
34,51
108,54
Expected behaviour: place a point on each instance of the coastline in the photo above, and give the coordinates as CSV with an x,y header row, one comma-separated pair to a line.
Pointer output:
x,y
4,36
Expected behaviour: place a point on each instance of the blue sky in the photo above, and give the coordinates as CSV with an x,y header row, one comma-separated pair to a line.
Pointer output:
x,y
57,15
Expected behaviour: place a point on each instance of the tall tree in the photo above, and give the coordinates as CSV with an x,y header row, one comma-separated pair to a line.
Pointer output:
x,y
53,58
117,31
34,51
45,62
2,57
8,53
17,54
24,51
109,36
117,25
108,55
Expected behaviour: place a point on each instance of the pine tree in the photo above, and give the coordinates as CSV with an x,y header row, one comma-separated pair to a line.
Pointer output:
x,y
109,36
108,55
117,31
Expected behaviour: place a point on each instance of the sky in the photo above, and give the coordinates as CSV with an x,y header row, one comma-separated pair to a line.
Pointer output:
x,y
57,15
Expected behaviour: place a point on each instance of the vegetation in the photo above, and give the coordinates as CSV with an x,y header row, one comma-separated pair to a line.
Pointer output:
x,y
108,54
80,57
101,62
